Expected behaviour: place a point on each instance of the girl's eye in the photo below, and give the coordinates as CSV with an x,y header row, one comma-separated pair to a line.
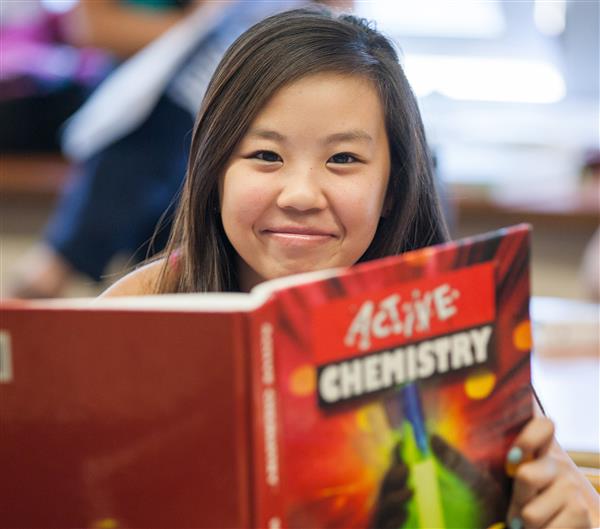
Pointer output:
x,y
267,156
342,157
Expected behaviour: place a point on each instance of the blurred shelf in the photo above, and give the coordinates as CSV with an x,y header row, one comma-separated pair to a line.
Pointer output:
x,y
32,176
590,460
577,209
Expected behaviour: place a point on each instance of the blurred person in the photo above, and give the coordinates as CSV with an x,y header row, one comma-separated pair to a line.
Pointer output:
x,y
123,27
44,77
52,61
130,139
590,267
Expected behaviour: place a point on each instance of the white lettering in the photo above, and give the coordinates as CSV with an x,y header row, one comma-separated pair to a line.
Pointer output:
x,y
411,362
392,368
443,299
351,379
441,349
270,433
361,326
480,339
379,329
385,369
426,359
384,319
409,319
390,306
328,384
423,311
266,352
372,373
461,354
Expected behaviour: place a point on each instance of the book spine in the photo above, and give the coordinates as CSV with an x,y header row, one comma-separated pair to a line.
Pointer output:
x,y
243,416
266,424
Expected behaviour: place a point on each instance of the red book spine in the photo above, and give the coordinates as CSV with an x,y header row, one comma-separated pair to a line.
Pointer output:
x,y
266,426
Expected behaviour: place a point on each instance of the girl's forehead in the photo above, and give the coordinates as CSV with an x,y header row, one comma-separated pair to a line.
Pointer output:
x,y
312,96
322,81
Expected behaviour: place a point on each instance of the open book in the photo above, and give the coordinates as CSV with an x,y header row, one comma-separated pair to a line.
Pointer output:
x,y
386,394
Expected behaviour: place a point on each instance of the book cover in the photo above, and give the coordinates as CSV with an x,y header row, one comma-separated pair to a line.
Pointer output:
x,y
385,395
123,418
396,389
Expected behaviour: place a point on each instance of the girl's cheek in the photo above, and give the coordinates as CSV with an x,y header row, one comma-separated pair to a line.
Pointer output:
x,y
245,202
361,203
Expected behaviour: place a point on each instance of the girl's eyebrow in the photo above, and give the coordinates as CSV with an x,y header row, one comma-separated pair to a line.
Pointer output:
x,y
338,137
267,134
351,135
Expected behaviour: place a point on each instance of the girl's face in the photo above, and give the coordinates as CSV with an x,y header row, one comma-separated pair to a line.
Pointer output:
x,y
305,188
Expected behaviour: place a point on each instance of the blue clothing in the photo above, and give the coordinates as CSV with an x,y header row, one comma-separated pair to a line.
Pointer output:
x,y
112,206
158,4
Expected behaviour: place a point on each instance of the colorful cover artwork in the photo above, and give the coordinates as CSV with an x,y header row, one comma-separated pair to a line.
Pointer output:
x,y
398,388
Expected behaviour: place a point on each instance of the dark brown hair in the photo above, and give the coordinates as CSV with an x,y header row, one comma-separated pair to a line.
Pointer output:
x,y
271,54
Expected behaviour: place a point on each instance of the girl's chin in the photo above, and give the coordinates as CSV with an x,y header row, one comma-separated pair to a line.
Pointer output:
x,y
298,268
250,277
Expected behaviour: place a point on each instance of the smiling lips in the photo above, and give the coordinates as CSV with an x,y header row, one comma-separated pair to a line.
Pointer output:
x,y
298,235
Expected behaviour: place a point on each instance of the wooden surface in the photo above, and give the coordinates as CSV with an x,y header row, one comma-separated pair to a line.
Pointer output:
x,y
589,460
40,176
581,208
593,474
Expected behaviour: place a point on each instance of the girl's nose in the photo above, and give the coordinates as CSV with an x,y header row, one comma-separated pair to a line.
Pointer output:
x,y
302,191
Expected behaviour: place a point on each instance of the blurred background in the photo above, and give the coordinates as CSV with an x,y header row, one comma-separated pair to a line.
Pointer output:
x,y
509,92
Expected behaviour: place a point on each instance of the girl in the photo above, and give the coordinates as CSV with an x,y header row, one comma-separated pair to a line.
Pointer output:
x,y
309,153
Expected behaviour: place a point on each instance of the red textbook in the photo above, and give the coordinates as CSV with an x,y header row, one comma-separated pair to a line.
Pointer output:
x,y
383,395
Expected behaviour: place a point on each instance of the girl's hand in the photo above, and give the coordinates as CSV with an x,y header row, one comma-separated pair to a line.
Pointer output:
x,y
549,490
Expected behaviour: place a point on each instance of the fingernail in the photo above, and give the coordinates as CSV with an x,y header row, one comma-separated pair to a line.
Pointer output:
x,y
516,523
514,456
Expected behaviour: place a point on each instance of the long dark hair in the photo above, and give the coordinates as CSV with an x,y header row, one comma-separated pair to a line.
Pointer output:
x,y
271,54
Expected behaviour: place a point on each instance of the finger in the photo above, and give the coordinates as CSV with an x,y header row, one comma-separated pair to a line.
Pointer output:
x,y
576,516
536,437
542,508
534,440
532,478
575,511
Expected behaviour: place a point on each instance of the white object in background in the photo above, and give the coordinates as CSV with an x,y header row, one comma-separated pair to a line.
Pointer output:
x,y
503,80
436,18
128,95
550,17
565,328
569,391
565,369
